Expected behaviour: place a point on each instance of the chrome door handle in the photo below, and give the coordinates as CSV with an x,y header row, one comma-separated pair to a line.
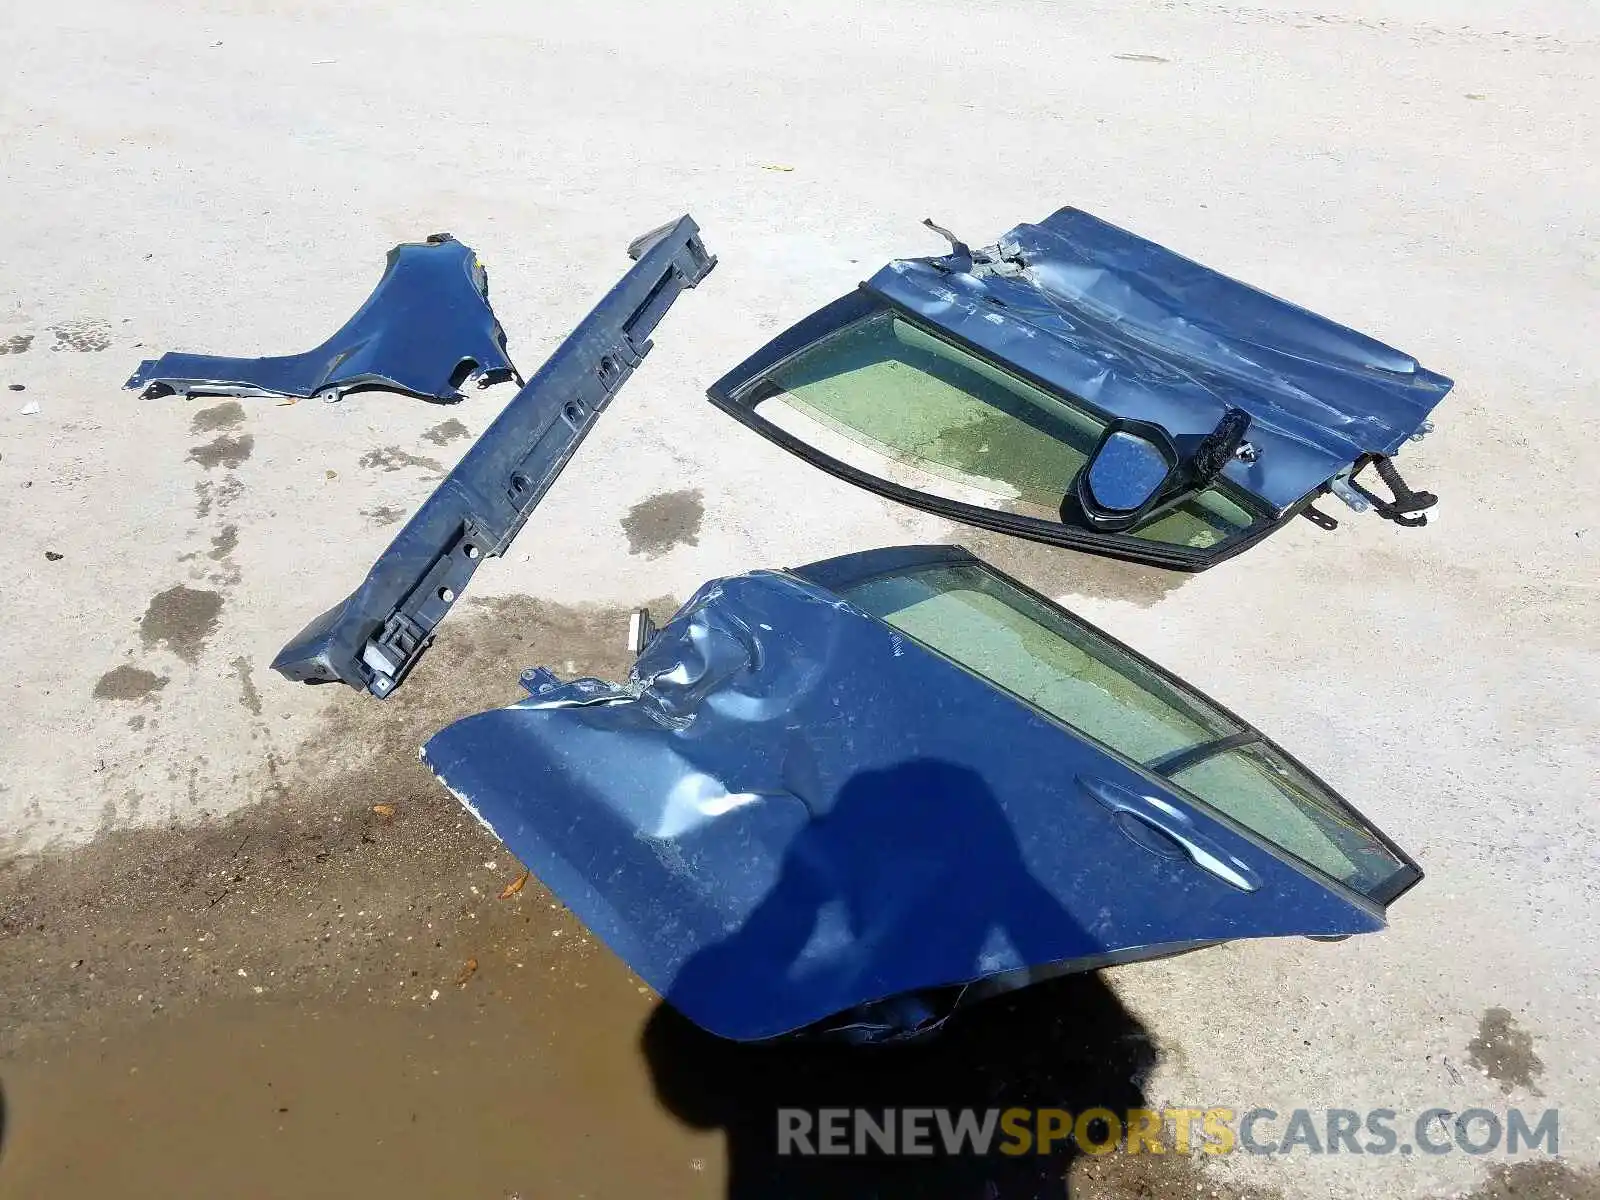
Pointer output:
x,y
1172,823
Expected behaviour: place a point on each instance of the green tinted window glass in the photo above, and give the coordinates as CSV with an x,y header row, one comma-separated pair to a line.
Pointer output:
x,y
920,402
890,398
968,614
980,620
1265,792
1207,520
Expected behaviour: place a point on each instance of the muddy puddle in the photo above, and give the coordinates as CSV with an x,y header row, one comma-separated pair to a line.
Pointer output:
x,y
533,1079
490,1096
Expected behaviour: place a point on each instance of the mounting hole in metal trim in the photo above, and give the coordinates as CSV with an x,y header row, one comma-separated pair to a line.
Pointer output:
x,y
446,595
520,483
471,551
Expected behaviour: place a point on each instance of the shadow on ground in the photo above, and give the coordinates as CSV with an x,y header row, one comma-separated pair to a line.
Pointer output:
x,y
917,899
1065,1044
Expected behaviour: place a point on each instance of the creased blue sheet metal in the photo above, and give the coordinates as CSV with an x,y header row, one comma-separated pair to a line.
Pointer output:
x,y
425,330
373,637
1141,332
789,810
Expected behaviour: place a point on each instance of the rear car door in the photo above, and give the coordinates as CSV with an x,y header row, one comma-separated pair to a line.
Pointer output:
x,y
896,772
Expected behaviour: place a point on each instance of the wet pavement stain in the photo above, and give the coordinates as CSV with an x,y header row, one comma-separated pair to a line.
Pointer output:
x,y
383,514
225,543
182,617
392,458
664,521
218,416
1121,1176
225,450
221,495
129,683
1503,1051
446,432
1537,1180
188,890
249,696
480,1094
1059,572
16,344
82,337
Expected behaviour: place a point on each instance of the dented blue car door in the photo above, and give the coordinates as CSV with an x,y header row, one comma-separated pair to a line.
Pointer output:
x,y
981,384
884,777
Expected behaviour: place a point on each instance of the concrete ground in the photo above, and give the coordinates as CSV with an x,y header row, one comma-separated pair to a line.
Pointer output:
x,y
226,178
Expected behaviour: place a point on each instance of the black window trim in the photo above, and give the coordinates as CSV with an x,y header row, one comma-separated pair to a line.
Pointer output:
x,y
1169,765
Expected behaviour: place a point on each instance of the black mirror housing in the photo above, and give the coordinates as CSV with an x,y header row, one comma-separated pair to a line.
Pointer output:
x,y
1127,475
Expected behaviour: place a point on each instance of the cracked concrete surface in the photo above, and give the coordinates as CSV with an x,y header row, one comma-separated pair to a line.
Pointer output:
x,y
1426,170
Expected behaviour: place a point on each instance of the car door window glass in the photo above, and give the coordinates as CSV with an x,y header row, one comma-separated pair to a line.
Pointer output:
x,y
1072,673
894,400
1056,665
1264,791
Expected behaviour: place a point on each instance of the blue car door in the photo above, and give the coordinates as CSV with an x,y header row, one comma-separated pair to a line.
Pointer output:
x,y
823,788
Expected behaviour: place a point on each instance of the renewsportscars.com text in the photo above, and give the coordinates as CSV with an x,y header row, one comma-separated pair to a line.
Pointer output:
x,y
1019,1131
